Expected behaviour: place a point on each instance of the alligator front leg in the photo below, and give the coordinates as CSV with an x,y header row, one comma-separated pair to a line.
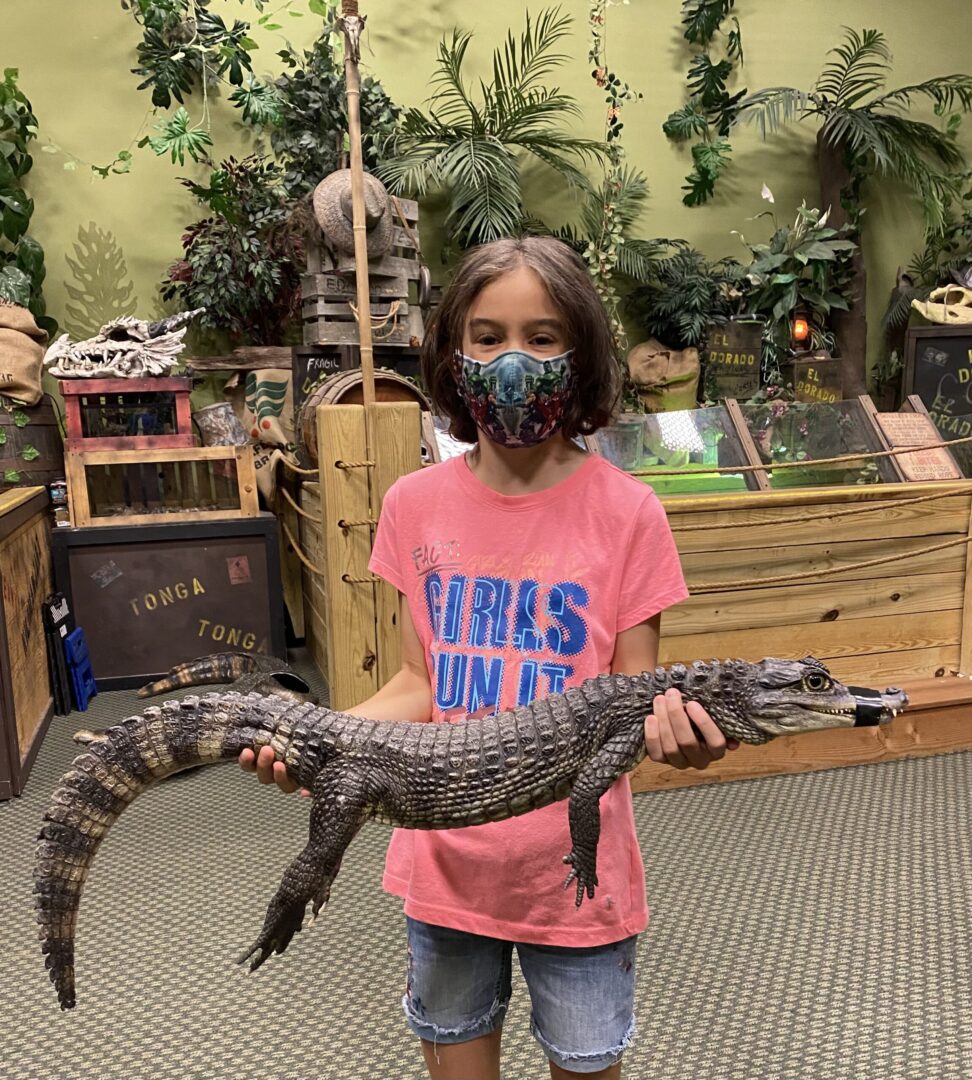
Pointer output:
x,y
343,801
615,757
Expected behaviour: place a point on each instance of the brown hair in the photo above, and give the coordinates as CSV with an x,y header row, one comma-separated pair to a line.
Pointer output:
x,y
596,366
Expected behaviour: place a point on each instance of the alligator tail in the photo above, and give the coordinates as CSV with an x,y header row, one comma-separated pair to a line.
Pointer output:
x,y
101,782
224,667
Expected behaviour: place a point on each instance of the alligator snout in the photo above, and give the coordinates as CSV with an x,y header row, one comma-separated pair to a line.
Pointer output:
x,y
873,708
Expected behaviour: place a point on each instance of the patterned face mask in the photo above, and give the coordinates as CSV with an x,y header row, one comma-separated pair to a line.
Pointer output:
x,y
516,399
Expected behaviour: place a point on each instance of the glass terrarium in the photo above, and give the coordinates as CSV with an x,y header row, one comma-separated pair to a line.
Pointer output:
x,y
691,444
801,433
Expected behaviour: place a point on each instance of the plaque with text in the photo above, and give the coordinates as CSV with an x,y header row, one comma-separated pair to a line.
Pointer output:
x,y
732,360
915,429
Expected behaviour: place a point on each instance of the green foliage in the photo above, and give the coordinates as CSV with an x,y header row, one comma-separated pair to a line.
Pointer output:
x,y
183,43
876,139
242,262
474,145
615,206
307,136
683,293
711,110
806,266
946,255
177,138
22,269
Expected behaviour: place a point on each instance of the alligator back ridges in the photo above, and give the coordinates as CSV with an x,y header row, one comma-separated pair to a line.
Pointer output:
x,y
100,783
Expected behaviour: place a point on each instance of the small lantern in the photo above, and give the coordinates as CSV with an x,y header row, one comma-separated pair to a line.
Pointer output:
x,y
800,330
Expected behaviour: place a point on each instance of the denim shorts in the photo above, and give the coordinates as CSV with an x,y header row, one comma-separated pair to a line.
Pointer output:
x,y
459,985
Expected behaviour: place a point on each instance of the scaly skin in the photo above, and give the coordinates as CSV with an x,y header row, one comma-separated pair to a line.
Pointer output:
x,y
417,776
248,672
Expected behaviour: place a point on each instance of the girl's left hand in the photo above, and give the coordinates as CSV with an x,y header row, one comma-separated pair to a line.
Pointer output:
x,y
672,740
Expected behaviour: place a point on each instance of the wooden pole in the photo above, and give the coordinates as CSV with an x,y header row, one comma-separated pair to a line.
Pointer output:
x,y
352,24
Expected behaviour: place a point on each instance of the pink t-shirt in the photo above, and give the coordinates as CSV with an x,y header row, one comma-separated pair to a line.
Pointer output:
x,y
514,598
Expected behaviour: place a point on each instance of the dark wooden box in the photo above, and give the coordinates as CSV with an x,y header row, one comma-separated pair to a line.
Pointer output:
x,y
151,596
26,702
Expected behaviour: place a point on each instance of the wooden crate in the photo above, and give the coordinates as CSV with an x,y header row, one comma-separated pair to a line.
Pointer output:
x,y
127,414
151,596
26,702
143,487
328,289
898,623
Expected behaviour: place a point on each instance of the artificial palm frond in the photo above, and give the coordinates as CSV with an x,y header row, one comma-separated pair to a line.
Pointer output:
x,y
946,91
775,106
861,68
474,144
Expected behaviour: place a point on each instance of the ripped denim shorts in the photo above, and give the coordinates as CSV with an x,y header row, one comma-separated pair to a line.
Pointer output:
x,y
459,986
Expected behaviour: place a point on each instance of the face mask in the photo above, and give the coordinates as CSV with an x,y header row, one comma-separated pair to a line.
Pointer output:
x,y
516,399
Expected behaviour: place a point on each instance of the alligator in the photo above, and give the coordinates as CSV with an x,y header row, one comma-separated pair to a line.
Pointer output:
x,y
248,673
572,745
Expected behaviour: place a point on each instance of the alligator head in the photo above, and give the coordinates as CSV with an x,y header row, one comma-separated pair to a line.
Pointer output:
x,y
756,702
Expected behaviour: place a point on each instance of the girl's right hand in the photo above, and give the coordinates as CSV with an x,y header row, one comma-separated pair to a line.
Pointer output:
x,y
269,770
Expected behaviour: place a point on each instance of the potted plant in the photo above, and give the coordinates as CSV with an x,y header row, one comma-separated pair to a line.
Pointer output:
x,y
475,149
805,267
242,262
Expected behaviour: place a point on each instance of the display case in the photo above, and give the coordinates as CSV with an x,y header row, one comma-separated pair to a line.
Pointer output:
x,y
693,444
811,432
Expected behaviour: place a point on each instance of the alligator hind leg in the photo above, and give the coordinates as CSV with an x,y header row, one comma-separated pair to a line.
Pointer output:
x,y
342,804
584,811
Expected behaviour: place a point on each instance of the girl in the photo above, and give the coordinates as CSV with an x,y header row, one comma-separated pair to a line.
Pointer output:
x,y
524,568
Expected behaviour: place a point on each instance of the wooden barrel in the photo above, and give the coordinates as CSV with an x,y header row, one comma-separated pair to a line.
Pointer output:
x,y
345,388
31,453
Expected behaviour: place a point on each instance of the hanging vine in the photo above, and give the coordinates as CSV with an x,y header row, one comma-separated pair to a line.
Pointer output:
x,y
710,112
604,247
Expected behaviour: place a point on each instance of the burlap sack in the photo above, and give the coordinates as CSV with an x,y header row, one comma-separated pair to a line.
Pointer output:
x,y
666,379
264,402
21,355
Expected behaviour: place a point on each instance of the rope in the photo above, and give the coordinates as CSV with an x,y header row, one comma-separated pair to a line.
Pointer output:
x,y
298,552
866,508
354,464
297,469
343,523
293,502
405,225
725,586
360,580
380,321
770,467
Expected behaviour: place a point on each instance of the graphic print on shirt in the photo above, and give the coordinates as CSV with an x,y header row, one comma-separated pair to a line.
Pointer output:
x,y
497,640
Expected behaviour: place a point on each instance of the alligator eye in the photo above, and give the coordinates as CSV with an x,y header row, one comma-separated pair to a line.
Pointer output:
x,y
817,682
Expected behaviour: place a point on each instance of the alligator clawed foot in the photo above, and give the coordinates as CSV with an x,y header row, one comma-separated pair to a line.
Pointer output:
x,y
583,871
282,922
319,900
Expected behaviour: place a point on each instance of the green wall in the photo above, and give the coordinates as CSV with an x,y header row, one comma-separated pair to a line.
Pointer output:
x,y
74,62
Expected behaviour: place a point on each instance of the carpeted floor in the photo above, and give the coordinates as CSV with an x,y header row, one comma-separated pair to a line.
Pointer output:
x,y
811,927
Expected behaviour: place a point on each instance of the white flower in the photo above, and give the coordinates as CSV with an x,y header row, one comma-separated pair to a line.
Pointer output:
x,y
767,194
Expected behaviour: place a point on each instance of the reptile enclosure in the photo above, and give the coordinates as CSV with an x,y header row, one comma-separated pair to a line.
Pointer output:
x,y
904,623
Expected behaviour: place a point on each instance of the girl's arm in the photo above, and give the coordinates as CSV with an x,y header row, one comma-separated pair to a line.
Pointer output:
x,y
669,733
406,696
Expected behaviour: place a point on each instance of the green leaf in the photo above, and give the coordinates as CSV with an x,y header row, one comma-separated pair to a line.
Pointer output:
x,y
318,7
21,419
15,286
817,249
11,476
3,437
30,453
